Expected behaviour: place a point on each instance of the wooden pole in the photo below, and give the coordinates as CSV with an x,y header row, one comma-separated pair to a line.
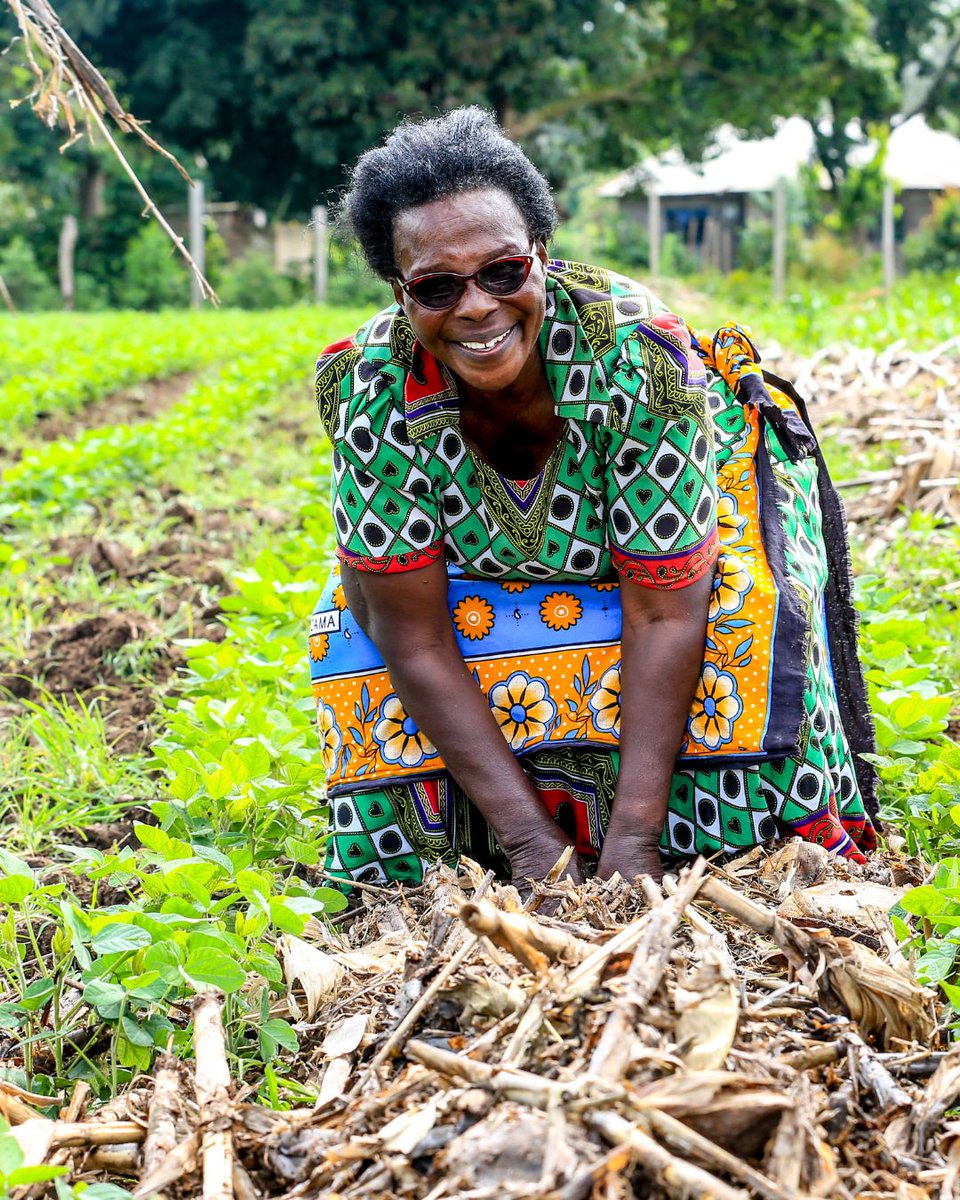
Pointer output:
x,y
319,226
197,247
654,231
6,297
779,239
888,233
68,244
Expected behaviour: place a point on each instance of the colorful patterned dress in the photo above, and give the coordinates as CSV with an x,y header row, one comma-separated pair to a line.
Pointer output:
x,y
664,472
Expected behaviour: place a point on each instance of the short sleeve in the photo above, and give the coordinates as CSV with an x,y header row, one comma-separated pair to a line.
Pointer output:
x,y
384,506
661,479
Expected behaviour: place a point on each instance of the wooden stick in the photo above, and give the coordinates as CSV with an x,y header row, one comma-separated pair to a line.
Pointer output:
x,y
413,1015
93,1133
612,1053
690,1144
181,1160
212,1081
243,1187
61,1157
535,945
679,1179
115,1162
816,1056
162,1121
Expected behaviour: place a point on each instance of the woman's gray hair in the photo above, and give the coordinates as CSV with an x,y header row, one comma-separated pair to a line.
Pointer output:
x,y
422,161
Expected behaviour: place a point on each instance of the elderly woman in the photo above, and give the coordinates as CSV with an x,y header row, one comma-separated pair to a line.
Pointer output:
x,y
592,585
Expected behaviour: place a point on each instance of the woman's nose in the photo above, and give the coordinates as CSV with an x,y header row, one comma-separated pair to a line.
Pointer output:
x,y
475,303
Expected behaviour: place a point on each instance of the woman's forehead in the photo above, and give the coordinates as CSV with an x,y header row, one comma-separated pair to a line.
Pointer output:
x,y
458,232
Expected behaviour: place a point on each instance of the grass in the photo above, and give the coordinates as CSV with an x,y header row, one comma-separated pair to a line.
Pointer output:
x,y
921,309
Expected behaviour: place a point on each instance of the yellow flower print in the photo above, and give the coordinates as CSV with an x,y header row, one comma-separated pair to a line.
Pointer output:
x,y
729,522
715,708
604,704
398,736
523,709
339,599
560,610
330,739
605,585
319,645
473,617
730,584
514,585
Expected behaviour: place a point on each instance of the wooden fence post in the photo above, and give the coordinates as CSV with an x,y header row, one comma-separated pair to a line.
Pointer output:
x,y
319,226
197,247
888,234
68,244
653,231
779,239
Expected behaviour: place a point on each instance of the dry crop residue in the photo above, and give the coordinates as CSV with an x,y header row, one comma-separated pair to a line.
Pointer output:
x,y
751,1031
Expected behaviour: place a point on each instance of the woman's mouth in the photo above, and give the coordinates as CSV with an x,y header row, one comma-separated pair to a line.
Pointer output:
x,y
490,345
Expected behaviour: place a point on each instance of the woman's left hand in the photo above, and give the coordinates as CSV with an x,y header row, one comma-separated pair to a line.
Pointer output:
x,y
631,855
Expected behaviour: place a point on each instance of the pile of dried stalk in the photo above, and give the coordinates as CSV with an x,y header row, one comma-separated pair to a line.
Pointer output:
x,y
751,1031
900,399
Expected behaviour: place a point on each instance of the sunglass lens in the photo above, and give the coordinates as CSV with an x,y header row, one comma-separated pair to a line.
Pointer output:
x,y
437,291
504,277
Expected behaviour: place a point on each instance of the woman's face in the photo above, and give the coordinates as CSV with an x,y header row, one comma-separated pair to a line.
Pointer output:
x,y
489,342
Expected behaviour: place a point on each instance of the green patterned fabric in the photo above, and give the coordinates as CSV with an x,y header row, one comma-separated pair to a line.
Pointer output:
x,y
634,474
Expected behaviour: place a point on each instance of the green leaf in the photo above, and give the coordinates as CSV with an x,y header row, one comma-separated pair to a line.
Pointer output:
x,y
14,889
952,993
153,838
332,900
11,865
118,937
937,961
301,852
927,901
284,917
215,968
276,1034
36,994
104,1191
106,998
11,1155
38,1174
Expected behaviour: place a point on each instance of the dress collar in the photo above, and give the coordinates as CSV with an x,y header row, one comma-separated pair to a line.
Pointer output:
x,y
571,341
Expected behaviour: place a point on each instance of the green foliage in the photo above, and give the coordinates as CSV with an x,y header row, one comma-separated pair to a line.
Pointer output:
x,y
936,244
28,285
814,314
279,100
154,276
251,282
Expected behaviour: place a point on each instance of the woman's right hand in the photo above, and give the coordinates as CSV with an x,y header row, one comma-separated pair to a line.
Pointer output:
x,y
536,856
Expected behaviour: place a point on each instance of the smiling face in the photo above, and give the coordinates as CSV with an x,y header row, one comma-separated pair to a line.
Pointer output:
x,y
489,342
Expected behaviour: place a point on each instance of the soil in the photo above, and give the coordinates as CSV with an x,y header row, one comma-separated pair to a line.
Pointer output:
x,y
74,660
141,402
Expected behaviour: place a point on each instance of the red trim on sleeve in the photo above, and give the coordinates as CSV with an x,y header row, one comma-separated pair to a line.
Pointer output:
x,y
669,571
335,348
391,564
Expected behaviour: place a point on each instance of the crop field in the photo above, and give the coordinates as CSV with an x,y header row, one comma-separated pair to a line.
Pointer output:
x,y
164,532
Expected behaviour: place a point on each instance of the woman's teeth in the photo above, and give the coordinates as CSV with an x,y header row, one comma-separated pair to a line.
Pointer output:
x,y
486,345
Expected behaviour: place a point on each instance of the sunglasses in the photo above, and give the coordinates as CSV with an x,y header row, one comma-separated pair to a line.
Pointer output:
x,y
502,277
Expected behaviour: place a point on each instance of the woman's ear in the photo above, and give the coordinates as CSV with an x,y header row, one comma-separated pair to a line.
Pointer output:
x,y
398,292
542,253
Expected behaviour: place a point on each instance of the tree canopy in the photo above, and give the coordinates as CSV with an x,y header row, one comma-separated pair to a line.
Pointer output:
x,y
279,99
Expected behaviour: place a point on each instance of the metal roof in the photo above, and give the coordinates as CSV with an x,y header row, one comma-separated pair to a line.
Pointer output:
x,y
917,157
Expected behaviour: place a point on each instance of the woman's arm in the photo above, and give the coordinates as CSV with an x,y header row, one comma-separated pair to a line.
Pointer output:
x,y
405,615
661,654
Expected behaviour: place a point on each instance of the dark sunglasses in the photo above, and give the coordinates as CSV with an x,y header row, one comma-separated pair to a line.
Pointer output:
x,y
502,277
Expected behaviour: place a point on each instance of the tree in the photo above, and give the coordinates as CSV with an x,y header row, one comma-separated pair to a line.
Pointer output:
x,y
279,98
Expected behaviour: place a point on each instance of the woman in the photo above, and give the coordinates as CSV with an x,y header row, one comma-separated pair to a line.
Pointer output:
x,y
551,625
